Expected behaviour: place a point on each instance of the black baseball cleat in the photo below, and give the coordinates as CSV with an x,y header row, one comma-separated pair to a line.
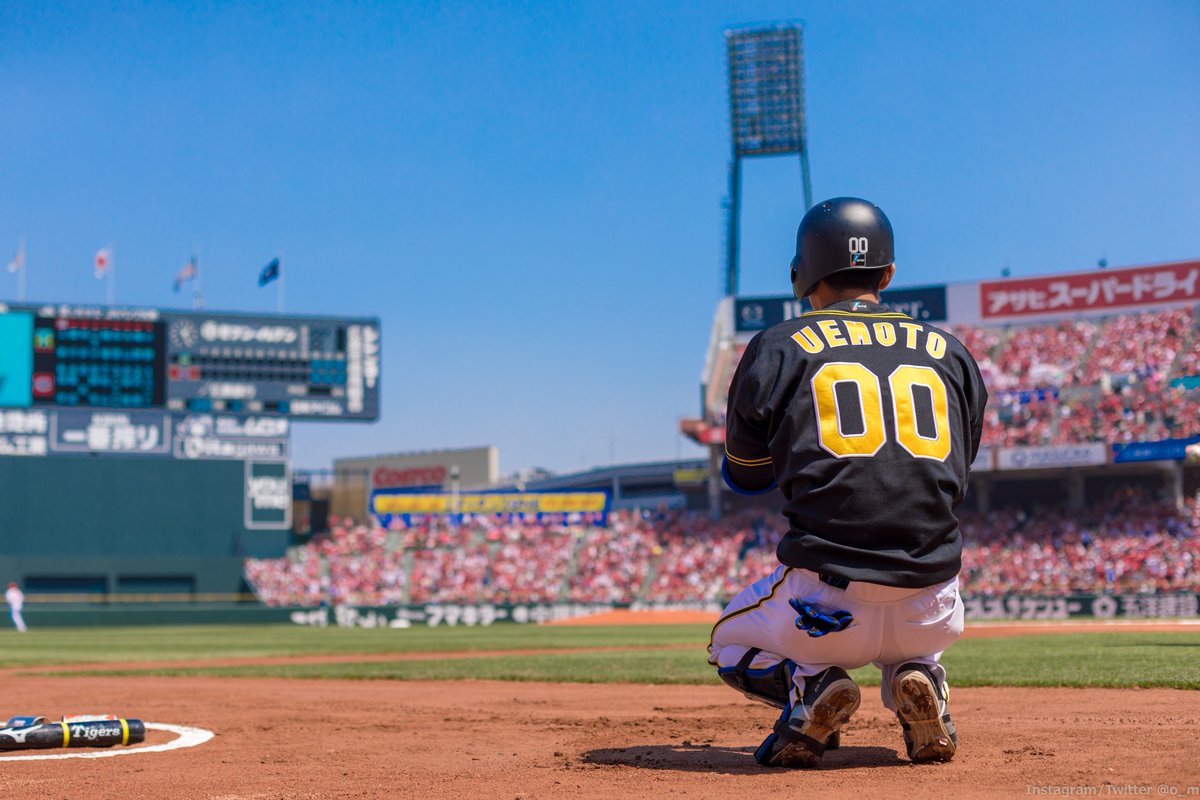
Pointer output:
x,y
803,736
923,709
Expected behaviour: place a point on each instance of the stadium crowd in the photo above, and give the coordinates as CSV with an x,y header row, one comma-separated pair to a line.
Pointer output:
x,y
1127,543
1145,345
1079,352
1045,355
1124,378
1076,381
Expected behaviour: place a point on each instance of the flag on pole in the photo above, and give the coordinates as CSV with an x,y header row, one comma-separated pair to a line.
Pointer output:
x,y
18,260
186,273
269,273
102,261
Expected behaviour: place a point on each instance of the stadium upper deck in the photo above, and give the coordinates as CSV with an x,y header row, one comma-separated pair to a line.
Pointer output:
x,y
1103,357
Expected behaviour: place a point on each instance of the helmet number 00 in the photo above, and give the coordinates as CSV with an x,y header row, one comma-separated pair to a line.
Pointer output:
x,y
858,244
846,434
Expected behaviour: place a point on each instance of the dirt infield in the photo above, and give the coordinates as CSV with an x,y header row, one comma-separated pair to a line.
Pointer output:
x,y
280,738
373,739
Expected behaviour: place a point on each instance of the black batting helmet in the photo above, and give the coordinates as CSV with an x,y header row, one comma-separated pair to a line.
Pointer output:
x,y
838,235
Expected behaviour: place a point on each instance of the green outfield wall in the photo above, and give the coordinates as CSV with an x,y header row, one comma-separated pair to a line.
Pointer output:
x,y
100,525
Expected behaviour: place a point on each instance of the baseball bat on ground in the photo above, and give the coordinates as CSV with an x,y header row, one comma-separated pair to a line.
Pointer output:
x,y
91,733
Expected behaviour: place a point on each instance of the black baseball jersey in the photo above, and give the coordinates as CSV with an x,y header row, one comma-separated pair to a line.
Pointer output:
x,y
868,421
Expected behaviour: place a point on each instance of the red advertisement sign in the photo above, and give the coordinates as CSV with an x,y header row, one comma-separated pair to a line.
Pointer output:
x,y
388,477
1084,291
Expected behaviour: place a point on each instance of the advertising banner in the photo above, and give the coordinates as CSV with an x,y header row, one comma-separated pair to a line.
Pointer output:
x,y
690,476
67,432
116,432
268,496
923,303
1103,606
384,476
752,314
1164,450
979,607
24,433
208,436
1050,456
386,505
476,467
985,459
1084,291
450,615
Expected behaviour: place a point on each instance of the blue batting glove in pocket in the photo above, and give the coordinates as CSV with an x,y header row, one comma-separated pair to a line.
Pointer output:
x,y
816,621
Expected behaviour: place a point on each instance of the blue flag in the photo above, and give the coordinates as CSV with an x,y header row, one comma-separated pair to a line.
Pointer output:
x,y
269,273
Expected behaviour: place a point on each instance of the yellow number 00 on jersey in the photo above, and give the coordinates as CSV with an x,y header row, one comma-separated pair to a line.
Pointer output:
x,y
870,396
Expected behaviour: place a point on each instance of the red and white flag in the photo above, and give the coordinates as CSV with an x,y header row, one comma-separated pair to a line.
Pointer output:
x,y
103,261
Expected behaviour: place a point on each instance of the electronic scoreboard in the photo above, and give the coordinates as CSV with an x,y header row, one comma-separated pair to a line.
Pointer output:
x,y
87,357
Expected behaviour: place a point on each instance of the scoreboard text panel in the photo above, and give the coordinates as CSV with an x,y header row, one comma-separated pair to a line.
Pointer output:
x,y
143,359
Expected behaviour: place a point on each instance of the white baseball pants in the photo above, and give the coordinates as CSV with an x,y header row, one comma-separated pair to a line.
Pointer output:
x,y
891,627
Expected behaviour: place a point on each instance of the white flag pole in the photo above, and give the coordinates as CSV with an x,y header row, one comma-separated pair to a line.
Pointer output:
x,y
197,291
21,271
112,274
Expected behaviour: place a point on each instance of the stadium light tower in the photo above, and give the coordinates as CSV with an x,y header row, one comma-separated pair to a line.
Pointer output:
x,y
766,113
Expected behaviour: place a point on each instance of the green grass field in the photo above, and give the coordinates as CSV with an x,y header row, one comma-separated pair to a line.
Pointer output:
x,y
1112,659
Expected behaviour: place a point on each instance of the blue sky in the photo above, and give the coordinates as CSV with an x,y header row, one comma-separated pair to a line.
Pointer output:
x,y
529,194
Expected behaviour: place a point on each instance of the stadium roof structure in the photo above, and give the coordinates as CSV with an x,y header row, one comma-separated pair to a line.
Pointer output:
x,y
624,472
637,484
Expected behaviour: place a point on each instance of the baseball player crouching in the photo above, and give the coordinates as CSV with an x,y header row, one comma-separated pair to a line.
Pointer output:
x,y
867,421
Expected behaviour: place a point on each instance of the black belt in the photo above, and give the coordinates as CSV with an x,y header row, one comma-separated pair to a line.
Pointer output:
x,y
835,581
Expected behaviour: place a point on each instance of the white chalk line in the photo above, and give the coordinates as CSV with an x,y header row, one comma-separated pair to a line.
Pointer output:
x,y
187,737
